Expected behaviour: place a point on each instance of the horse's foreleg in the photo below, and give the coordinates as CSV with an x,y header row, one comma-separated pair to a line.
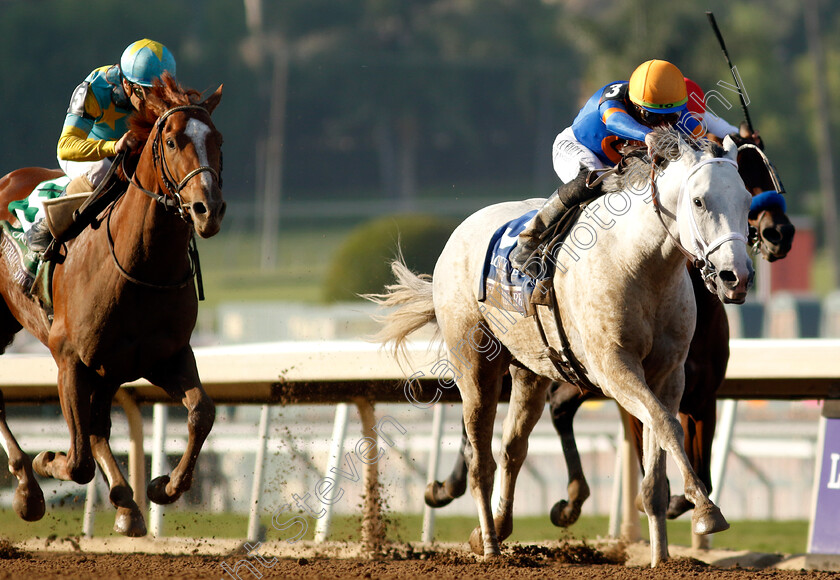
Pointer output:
x,y
564,401
129,520
74,392
527,400
638,400
655,497
28,502
179,378
439,494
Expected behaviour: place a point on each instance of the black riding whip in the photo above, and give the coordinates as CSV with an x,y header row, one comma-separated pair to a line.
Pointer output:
x,y
773,173
713,22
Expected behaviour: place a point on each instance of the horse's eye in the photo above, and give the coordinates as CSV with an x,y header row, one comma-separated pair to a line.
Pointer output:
x,y
698,202
170,143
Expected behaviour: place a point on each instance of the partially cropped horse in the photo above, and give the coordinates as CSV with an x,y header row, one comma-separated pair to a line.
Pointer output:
x,y
623,314
771,235
124,302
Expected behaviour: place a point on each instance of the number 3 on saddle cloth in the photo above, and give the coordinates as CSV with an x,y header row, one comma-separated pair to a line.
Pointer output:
x,y
29,270
507,288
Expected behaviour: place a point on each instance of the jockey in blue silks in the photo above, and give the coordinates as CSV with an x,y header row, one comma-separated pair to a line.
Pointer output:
x,y
620,113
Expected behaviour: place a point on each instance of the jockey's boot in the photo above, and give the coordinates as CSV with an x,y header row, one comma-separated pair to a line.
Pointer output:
x,y
38,237
79,184
567,196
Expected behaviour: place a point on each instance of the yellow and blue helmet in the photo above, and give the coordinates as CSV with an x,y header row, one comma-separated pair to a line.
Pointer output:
x,y
146,60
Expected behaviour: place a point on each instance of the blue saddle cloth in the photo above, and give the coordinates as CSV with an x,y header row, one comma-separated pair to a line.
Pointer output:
x,y
498,275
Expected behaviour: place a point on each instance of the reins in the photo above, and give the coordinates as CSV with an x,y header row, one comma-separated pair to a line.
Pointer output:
x,y
771,169
699,258
171,202
192,252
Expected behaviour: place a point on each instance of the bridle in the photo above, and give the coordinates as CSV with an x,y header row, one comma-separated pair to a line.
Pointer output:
x,y
755,247
699,257
172,202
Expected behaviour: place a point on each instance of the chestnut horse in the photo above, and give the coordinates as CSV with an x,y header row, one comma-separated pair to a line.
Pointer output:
x,y
771,234
124,302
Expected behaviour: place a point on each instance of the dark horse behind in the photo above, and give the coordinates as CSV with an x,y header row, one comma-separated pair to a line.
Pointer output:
x,y
771,235
124,302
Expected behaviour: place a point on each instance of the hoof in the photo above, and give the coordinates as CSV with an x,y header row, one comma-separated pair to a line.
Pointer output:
x,y
28,503
708,520
41,462
130,523
156,491
678,506
563,514
436,495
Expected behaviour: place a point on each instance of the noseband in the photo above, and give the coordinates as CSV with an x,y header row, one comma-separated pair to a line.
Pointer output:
x,y
170,203
700,256
173,202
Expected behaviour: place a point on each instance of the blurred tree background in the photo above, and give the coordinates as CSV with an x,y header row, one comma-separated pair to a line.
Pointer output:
x,y
339,111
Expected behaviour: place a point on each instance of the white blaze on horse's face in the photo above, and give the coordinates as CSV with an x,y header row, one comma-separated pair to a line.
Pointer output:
x,y
206,213
715,200
198,131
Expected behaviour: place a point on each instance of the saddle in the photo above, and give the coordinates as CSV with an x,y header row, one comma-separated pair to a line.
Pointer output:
x,y
553,236
68,216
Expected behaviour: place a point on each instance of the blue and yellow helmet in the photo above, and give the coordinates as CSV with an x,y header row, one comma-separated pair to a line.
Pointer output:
x,y
146,60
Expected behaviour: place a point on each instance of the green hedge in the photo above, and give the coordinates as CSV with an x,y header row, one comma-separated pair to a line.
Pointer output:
x,y
362,263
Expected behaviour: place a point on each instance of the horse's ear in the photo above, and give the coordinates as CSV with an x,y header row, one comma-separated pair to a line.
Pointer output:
x,y
730,148
211,102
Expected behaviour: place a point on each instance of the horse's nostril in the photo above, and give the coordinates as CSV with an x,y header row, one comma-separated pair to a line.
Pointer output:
x,y
199,208
729,278
771,235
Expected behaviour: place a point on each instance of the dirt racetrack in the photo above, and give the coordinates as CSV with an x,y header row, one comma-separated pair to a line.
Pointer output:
x,y
129,559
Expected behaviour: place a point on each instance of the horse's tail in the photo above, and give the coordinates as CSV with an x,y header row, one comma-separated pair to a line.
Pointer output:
x,y
411,304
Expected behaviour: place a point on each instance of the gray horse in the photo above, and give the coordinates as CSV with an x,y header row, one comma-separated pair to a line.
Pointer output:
x,y
621,316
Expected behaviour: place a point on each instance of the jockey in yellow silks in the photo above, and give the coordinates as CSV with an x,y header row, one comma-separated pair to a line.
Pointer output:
x,y
96,126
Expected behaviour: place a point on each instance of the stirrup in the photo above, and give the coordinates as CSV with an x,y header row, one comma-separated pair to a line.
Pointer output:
x,y
521,258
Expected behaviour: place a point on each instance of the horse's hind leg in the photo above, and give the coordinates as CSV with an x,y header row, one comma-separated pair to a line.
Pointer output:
x,y
129,520
527,400
179,378
480,386
75,390
29,499
439,494
564,401
28,502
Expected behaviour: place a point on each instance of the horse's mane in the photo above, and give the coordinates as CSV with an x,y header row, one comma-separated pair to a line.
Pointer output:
x,y
164,94
635,164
